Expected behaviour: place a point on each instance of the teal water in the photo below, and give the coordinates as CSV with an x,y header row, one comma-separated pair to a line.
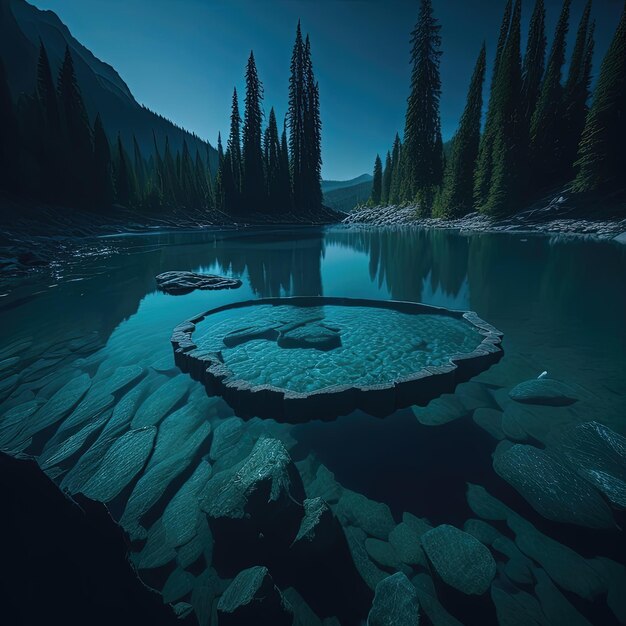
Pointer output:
x,y
560,303
378,346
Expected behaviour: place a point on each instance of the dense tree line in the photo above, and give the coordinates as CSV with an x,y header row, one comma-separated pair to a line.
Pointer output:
x,y
540,130
260,171
52,153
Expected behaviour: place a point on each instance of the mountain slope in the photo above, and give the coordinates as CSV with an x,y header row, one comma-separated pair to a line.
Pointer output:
x,y
332,185
346,198
104,91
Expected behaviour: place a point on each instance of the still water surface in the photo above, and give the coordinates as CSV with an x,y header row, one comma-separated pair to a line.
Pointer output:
x,y
561,304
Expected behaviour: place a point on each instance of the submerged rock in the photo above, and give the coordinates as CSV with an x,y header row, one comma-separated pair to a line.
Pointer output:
x,y
179,283
543,391
161,402
382,553
395,602
178,584
552,488
430,604
555,606
490,420
405,540
374,518
515,607
252,598
180,517
317,336
598,454
460,559
566,568
123,461
369,572
440,411
227,494
58,406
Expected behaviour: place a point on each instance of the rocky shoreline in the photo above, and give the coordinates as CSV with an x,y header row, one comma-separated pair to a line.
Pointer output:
x,y
563,215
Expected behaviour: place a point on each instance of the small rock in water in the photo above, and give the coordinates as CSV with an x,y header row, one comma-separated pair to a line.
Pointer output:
x,y
543,391
179,283
460,559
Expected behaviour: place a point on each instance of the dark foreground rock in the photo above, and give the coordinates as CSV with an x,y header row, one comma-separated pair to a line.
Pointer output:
x,y
179,283
64,561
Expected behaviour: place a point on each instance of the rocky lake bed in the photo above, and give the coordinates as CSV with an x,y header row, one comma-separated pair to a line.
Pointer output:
x,y
498,501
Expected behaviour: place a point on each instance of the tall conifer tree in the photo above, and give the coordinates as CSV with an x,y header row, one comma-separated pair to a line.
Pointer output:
x,y
534,60
507,187
272,151
253,185
9,138
295,119
396,178
103,168
386,186
546,124
312,135
457,196
601,161
232,179
78,133
484,166
377,182
422,156
576,94
284,204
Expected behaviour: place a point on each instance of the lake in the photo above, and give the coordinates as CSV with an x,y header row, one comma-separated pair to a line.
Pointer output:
x,y
560,303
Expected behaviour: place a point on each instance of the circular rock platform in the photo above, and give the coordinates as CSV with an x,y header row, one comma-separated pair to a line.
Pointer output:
x,y
299,358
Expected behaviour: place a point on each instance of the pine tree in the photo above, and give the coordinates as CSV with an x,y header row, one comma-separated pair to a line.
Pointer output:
x,y
386,186
422,155
123,184
219,179
51,151
502,38
9,138
600,154
457,196
377,182
534,60
507,187
77,132
188,184
396,179
576,95
312,136
272,151
232,171
140,169
171,188
545,128
284,204
295,120
484,165
103,193
252,184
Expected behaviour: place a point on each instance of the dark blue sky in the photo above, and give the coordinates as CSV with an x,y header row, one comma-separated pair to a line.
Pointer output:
x,y
182,58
